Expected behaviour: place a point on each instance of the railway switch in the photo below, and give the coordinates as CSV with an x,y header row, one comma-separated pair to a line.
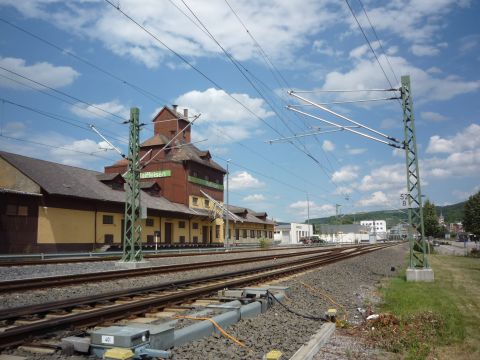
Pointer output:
x,y
126,338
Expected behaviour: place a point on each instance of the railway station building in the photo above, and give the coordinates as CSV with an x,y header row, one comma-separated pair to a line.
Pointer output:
x,y
51,207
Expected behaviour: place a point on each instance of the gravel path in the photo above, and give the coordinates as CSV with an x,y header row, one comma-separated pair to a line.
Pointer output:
x,y
352,283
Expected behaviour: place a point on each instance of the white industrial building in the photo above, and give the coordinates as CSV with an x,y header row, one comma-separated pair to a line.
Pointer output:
x,y
344,234
291,233
377,229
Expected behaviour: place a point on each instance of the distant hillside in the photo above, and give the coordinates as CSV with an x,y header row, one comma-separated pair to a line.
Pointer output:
x,y
452,213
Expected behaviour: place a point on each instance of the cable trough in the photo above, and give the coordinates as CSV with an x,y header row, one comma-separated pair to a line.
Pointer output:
x,y
22,324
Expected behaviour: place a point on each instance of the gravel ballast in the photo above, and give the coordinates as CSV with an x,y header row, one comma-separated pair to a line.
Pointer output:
x,y
351,283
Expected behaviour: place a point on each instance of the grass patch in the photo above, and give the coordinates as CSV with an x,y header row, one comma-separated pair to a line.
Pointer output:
x,y
438,319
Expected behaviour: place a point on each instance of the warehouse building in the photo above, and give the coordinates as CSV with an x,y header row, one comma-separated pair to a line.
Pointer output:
x,y
50,207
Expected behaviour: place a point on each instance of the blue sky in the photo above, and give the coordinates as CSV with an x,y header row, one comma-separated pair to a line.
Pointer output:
x,y
313,45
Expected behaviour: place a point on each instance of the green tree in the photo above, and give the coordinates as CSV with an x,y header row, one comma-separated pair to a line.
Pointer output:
x,y
471,214
430,219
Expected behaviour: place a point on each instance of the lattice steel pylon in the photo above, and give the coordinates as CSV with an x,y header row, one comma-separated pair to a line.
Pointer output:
x,y
418,244
132,247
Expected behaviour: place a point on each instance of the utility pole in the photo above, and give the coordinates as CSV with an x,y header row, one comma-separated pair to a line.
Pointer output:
x,y
419,268
132,246
308,216
227,237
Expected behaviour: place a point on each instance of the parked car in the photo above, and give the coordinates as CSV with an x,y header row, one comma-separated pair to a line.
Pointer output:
x,y
314,239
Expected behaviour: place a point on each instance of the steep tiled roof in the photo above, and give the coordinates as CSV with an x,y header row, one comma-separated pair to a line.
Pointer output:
x,y
192,153
250,217
59,179
156,140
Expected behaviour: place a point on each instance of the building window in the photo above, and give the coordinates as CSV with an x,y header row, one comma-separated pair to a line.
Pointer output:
x,y
237,234
259,233
108,219
195,200
181,224
269,234
182,239
244,233
149,222
252,233
17,210
194,226
108,238
207,203
195,239
11,209
217,231
150,238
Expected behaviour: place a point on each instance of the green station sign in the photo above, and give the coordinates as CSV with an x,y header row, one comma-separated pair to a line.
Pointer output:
x,y
155,174
203,182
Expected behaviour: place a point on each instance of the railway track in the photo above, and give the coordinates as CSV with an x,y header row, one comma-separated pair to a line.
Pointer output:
x,y
19,325
64,280
99,258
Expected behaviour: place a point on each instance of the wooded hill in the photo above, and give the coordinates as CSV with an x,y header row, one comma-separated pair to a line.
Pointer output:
x,y
451,213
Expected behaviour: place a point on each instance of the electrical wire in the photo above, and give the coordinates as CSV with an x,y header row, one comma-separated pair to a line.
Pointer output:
x,y
306,316
203,75
347,101
379,42
137,88
277,75
56,147
342,90
65,94
56,117
369,44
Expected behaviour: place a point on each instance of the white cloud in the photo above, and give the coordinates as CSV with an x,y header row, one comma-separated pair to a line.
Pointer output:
x,y
343,190
433,116
223,119
42,72
412,20
425,86
63,149
457,164
346,173
321,47
95,110
301,209
355,151
328,145
463,195
14,129
280,39
468,139
383,178
254,198
378,198
244,180
424,50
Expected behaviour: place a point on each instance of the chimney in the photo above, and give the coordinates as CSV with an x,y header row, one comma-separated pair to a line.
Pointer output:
x,y
185,114
174,107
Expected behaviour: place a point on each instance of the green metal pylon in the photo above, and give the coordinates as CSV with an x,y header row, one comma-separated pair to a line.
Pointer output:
x,y
132,247
418,244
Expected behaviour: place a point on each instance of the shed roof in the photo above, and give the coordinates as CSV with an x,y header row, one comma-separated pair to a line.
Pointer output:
x,y
59,179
